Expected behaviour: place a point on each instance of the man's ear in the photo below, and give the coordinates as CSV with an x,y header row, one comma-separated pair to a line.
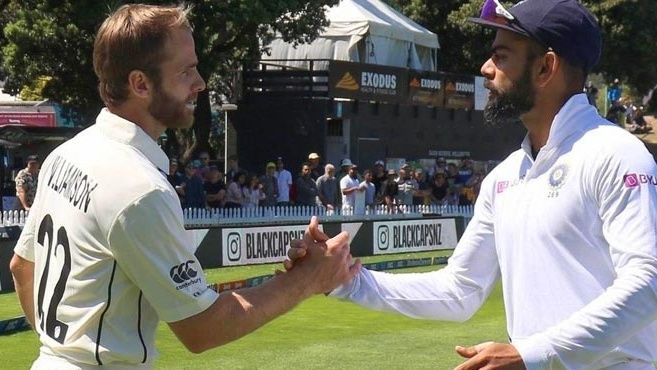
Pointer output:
x,y
139,84
548,67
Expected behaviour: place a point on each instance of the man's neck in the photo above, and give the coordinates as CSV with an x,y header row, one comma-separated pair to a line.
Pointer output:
x,y
140,118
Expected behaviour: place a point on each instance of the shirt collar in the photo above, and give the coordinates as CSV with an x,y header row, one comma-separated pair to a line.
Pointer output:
x,y
574,116
121,130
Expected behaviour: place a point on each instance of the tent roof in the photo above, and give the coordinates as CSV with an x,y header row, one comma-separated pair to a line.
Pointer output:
x,y
357,17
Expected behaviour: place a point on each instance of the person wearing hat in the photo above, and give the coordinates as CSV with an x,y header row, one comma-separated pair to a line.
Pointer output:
x,y
566,223
269,185
313,162
26,182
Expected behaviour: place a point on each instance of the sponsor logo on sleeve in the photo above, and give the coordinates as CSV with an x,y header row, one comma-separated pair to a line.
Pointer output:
x,y
633,180
184,275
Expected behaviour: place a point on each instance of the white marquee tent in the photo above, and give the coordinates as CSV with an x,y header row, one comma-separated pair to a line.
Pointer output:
x,y
365,31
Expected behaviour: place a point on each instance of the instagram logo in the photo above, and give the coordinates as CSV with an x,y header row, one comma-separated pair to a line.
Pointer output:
x,y
383,237
631,180
233,246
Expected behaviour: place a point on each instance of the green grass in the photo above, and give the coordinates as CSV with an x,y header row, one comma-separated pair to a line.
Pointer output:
x,y
320,333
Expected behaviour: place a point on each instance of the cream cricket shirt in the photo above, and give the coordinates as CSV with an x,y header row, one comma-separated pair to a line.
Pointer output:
x,y
111,254
572,235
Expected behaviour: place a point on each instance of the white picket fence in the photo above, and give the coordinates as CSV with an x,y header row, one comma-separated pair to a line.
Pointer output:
x,y
218,217
204,217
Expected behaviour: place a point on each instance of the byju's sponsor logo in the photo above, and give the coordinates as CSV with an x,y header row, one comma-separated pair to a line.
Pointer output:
x,y
184,274
633,180
501,186
383,237
234,246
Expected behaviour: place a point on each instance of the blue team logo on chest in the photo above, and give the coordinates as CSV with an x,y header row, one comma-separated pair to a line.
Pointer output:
x,y
557,179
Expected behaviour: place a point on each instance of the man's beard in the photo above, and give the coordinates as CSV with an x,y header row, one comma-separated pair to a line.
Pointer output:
x,y
507,107
171,112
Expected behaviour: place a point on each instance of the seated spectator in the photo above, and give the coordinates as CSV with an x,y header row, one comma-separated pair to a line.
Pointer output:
x,y
639,124
452,174
215,188
234,192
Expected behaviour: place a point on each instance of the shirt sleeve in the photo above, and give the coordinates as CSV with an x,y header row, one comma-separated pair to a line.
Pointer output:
x,y
454,293
623,188
25,244
151,246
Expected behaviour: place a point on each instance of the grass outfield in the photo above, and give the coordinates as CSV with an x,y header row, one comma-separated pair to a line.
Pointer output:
x,y
320,333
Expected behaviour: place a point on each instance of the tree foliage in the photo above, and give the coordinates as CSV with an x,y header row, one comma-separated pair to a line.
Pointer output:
x,y
54,38
628,26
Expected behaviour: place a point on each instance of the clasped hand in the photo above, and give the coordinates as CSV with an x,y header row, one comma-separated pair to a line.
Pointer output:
x,y
328,259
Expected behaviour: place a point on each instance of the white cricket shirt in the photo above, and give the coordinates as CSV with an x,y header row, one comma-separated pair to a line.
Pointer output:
x,y
573,236
111,254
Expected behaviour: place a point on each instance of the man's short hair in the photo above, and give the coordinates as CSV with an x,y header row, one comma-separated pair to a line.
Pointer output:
x,y
133,38
329,167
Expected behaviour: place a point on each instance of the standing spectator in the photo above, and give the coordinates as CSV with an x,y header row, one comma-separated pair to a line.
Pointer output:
x,y
349,185
233,167
439,189
439,166
269,185
421,196
327,188
390,189
26,182
235,191
614,92
407,186
369,188
253,192
465,171
284,178
192,188
345,166
306,188
379,175
315,168
215,188
175,178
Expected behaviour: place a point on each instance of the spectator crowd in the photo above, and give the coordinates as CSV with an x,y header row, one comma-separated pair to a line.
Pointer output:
x,y
200,184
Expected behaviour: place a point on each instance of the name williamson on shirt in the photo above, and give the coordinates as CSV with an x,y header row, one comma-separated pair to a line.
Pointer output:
x,y
71,183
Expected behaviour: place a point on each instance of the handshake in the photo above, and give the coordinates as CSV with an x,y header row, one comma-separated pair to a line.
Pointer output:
x,y
323,263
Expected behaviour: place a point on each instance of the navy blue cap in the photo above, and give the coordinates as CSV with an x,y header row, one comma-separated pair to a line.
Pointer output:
x,y
565,26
